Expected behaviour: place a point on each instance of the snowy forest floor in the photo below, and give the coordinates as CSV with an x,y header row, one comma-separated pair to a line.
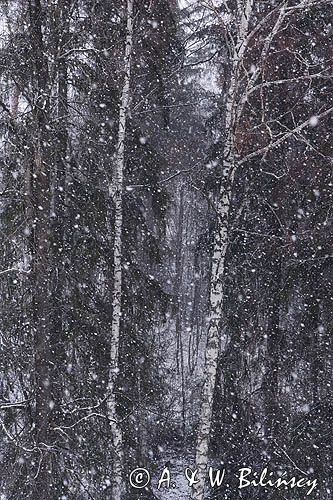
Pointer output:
x,y
179,488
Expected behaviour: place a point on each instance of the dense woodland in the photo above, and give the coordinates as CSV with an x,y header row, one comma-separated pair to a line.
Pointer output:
x,y
166,273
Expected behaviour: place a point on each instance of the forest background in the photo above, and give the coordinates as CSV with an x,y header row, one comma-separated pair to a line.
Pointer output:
x,y
166,244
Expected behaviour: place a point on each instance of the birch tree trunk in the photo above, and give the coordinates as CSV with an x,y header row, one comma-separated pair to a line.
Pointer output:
x,y
218,259
116,191
237,35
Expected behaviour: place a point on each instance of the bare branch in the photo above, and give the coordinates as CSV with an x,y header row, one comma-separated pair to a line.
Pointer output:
x,y
283,138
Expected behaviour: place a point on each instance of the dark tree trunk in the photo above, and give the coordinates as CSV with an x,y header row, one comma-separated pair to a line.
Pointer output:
x,y
41,193
59,215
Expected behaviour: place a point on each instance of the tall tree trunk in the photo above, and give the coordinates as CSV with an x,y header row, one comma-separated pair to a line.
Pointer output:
x,y
178,306
216,295
58,208
41,193
271,380
117,193
213,340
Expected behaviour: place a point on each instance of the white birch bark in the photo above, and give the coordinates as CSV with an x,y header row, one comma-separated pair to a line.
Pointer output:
x,y
116,191
235,102
218,259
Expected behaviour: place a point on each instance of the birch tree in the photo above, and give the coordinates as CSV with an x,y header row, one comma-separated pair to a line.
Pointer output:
x,y
237,49
116,192
239,23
